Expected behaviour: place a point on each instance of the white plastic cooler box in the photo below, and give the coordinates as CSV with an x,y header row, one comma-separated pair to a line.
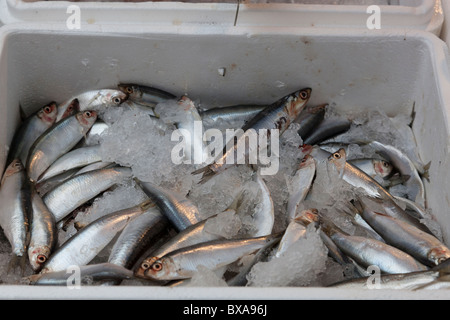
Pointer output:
x,y
404,14
358,70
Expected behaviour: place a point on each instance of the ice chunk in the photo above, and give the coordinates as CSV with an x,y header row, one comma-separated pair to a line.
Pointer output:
x,y
226,224
300,265
206,278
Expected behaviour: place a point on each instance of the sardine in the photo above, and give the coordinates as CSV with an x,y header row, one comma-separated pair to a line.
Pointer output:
x,y
137,235
278,115
94,100
230,114
43,232
301,183
80,188
414,184
33,126
145,95
371,188
309,119
75,158
89,275
84,246
56,141
14,206
424,247
374,167
368,252
328,128
180,211
296,229
183,263
192,235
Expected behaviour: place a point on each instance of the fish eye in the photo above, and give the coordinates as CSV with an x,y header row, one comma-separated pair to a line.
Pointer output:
x,y
70,108
129,90
386,164
47,109
145,265
41,258
117,100
303,94
336,155
157,266
88,114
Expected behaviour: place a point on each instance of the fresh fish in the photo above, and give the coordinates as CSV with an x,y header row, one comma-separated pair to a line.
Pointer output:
x,y
30,130
414,184
424,247
89,274
14,211
374,167
137,235
67,109
77,190
328,128
278,115
192,235
145,95
310,118
180,211
56,141
370,252
296,229
301,183
230,115
75,158
195,150
183,263
49,184
361,181
94,100
95,166
43,232
84,246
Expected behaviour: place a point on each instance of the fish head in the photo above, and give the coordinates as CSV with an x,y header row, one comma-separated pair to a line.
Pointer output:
x,y
87,118
161,269
131,90
116,97
383,168
144,266
297,101
438,255
48,113
307,161
38,256
338,159
72,108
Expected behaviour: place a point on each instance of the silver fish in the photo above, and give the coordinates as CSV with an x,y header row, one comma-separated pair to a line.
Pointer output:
x,y
371,188
33,126
56,141
136,236
370,252
89,274
301,183
192,235
77,190
75,158
14,207
180,211
183,263
145,95
278,115
94,100
421,245
374,167
230,114
43,232
81,248
67,109
326,129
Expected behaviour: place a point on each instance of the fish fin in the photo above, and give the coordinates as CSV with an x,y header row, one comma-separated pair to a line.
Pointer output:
x,y
208,173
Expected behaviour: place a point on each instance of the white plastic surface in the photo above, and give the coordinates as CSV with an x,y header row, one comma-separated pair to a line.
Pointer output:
x,y
356,70
408,14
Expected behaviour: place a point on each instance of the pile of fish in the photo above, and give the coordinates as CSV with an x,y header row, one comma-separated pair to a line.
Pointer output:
x,y
347,203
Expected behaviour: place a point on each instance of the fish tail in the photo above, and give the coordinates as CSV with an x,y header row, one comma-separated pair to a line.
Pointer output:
x,y
208,173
